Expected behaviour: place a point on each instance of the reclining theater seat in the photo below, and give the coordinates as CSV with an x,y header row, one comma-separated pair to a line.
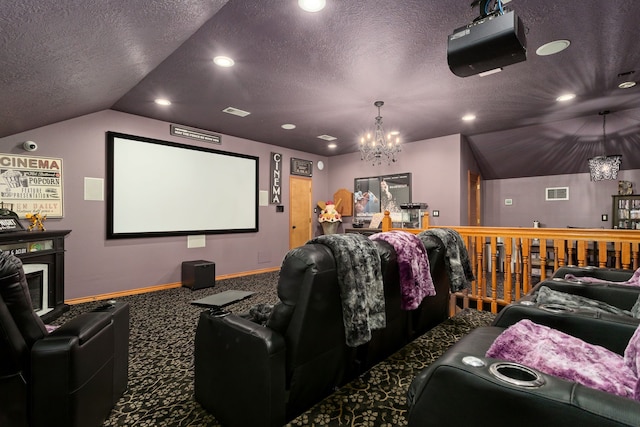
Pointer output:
x,y
519,395
403,326
70,377
551,309
251,375
247,374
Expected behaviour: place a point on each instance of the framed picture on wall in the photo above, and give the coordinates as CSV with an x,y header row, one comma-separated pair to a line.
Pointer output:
x,y
366,198
380,193
395,190
625,188
301,167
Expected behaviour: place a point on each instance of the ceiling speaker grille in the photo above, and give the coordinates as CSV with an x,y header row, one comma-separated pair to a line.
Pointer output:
x,y
557,193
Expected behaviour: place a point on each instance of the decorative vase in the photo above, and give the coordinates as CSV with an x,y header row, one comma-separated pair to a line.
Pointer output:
x,y
330,227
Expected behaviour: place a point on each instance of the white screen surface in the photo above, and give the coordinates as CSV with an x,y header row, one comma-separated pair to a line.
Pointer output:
x,y
162,188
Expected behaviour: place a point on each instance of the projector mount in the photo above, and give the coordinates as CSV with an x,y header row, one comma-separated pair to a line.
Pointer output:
x,y
489,7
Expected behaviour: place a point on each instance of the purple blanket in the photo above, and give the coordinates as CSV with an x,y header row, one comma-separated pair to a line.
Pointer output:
x,y
562,355
632,360
413,266
633,281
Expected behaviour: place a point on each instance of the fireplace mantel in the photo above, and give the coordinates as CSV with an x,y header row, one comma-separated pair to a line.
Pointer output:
x,y
42,247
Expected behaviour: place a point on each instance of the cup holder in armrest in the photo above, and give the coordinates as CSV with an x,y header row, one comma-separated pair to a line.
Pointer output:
x,y
216,311
516,374
556,308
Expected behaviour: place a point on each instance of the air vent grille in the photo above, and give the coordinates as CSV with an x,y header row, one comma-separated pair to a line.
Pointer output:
x,y
327,137
236,111
557,193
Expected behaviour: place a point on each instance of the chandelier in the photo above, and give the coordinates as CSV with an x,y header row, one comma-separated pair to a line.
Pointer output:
x,y
379,147
604,167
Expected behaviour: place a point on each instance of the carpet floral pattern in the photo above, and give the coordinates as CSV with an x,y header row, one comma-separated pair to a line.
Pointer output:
x,y
162,331
379,397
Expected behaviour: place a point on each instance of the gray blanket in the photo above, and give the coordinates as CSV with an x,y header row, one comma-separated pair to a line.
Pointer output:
x,y
457,257
546,295
360,281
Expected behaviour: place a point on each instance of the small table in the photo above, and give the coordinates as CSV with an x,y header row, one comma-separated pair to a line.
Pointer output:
x,y
222,299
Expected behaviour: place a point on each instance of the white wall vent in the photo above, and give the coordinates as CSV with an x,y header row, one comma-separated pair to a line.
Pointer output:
x,y
557,193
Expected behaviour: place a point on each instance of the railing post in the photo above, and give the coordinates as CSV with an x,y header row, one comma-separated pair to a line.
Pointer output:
x,y
543,259
508,280
494,274
582,253
526,267
387,223
560,253
425,221
480,276
602,254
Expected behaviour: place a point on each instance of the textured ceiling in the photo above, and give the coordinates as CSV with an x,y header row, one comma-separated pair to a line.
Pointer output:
x,y
323,72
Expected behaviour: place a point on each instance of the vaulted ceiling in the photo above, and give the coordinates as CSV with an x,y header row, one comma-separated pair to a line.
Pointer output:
x,y
323,71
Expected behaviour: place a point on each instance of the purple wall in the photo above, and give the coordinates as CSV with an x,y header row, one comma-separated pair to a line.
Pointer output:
x,y
439,166
95,265
587,201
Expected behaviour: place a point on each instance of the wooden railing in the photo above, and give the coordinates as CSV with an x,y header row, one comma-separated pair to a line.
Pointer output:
x,y
508,261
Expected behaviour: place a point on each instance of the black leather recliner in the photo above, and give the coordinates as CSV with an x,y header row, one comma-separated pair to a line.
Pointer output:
x,y
69,377
617,295
556,402
247,374
463,387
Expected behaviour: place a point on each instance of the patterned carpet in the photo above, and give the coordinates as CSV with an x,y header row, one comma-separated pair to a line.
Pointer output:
x,y
162,331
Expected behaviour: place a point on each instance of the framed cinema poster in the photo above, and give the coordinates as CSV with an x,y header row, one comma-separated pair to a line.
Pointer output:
x,y
32,184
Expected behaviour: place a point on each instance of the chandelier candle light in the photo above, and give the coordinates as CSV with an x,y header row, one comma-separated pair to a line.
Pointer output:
x,y
379,147
604,167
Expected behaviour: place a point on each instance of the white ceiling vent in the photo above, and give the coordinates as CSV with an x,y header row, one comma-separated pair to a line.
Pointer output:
x,y
236,111
557,193
327,137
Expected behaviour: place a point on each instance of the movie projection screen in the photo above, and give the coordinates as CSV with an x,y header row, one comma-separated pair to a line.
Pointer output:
x,y
160,188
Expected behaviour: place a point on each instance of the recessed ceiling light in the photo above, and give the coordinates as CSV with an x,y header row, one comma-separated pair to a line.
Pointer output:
x,y
566,97
236,112
469,117
312,5
394,132
288,126
223,61
327,137
553,47
162,101
626,85
332,145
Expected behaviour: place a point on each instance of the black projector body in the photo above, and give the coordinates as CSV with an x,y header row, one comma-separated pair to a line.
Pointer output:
x,y
490,43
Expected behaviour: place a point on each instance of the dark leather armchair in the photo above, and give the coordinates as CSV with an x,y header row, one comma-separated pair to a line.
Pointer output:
x,y
616,295
247,374
69,377
508,394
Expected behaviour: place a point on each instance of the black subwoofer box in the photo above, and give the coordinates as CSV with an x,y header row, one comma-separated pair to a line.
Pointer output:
x,y
198,274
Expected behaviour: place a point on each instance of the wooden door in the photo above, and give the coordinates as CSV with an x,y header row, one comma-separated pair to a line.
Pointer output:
x,y
300,220
473,198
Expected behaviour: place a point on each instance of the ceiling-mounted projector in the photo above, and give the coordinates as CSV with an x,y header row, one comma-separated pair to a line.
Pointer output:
x,y
486,44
